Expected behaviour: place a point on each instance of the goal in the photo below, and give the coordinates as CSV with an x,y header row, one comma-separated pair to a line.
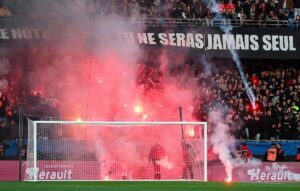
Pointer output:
x,y
95,151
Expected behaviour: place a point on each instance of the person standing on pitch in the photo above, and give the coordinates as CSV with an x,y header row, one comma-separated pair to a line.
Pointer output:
x,y
246,152
280,153
271,154
157,152
189,158
298,153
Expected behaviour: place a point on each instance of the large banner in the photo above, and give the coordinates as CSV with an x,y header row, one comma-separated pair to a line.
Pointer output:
x,y
289,147
248,42
65,170
262,172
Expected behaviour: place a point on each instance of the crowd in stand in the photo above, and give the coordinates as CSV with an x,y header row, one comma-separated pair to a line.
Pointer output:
x,y
270,10
12,97
275,115
276,112
194,9
4,11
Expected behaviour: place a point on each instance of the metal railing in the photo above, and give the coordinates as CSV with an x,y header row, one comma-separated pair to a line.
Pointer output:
x,y
214,22
193,22
269,141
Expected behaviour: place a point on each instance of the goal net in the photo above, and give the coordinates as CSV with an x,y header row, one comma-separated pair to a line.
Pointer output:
x,y
91,151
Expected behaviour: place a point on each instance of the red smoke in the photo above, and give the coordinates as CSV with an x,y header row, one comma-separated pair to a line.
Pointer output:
x,y
94,88
106,81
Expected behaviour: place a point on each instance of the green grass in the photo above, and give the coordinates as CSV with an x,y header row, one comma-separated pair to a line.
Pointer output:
x,y
145,186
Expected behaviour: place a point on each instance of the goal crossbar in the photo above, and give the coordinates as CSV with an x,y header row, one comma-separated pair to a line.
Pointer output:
x,y
122,123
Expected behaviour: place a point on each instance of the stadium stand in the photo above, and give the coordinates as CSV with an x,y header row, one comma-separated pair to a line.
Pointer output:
x,y
188,9
276,116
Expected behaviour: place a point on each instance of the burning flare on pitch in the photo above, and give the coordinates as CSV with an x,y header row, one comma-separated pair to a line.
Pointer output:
x,y
228,180
165,163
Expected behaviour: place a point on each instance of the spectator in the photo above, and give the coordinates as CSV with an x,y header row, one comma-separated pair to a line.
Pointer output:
x,y
3,147
286,4
189,158
3,107
296,135
296,8
298,153
286,128
277,131
253,13
262,11
271,154
257,128
254,79
271,6
221,7
282,15
257,4
230,6
247,9
125,7
248,124
292,14
4,11
280,153
157,152
275,153
246,152
279,112
269,122
239,7
272,17
3,131
227,14
178,9
188,13
134,8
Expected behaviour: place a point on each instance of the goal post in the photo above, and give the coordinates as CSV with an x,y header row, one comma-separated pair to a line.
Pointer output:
x,y
115,150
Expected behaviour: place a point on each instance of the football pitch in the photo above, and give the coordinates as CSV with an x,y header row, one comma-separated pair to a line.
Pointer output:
x,y
145,186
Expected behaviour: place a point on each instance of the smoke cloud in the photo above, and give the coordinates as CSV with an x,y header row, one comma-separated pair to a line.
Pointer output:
x,y
222,140
95,76
223,143
227,28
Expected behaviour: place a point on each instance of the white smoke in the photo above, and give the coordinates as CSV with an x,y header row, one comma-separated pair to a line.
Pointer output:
x,y
224,143
277,168
3,84
4,66
4,70
227,28
165,163
206,66
222,139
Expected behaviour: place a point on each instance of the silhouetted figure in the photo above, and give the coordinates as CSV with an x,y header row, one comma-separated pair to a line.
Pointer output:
x,y
245,152
298,153
157,152
189,158
275,153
